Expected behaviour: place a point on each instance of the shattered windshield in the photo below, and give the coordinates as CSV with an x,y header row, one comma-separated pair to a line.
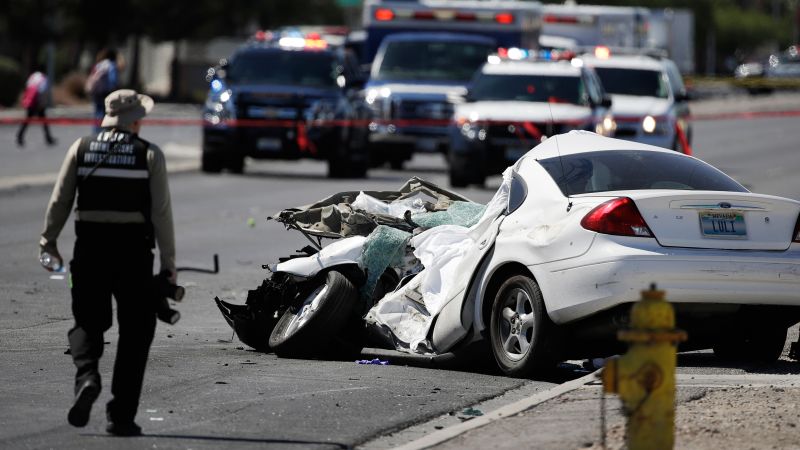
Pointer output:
x,y
622,170
293,68
437,61
646,83
529,88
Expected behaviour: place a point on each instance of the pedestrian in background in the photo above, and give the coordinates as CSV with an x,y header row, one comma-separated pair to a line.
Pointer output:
x,y
102,80
34,100
123,210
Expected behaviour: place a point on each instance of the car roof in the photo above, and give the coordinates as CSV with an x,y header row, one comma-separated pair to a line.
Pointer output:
x,y
510,67
625,62
581,141
443,37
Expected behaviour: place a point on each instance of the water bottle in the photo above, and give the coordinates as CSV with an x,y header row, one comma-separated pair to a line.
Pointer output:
x,y
51,262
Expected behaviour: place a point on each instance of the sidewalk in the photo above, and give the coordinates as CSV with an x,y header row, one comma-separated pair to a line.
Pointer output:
x,y
718,406
737,412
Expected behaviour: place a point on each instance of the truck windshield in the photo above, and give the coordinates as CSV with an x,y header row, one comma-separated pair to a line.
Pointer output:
x,y
528,88
647,83
434,61
286,67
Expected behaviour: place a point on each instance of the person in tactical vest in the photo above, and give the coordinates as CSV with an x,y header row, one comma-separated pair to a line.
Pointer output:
x,y
123,210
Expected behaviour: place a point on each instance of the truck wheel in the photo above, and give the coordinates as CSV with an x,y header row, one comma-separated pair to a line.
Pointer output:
x,y
520,328
397,163
461,175
309,329
211,162
236,163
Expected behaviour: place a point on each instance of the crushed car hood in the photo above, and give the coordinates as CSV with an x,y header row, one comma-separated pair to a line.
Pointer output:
x,y
335,217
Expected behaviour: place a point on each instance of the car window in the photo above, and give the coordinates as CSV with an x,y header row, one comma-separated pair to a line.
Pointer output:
x,y
638,82
593,88
622,170
675,79
294,68
529,88
436,60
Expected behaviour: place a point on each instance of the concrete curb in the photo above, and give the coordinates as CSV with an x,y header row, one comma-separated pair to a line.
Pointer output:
x,y
446,434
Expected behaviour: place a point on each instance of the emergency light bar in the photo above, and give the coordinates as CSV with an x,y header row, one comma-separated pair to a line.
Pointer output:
x,y
519,54
442,15
568,20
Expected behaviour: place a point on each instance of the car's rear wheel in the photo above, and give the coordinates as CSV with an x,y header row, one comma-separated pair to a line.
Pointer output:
x,y
520,327
761,344
308,328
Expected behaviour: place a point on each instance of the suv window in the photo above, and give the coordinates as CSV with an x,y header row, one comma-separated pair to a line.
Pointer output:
x,y
622,170
528,88
287,67
420,60
639,82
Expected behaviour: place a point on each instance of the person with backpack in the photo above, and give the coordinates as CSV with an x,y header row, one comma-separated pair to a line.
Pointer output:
x,y
34,100
123,210
103,79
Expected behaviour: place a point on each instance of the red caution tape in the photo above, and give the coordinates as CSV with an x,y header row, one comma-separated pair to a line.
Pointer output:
x,y
687,149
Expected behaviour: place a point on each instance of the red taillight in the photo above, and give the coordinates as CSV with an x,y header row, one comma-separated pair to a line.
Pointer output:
x,y
618,216
796,236
424,15
466,16
384,14
559,19
504,18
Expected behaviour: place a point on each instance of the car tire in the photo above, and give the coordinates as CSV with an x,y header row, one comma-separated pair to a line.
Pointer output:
x,y
211,162
236,164
519,328
461,175
763,344
397,163
308,329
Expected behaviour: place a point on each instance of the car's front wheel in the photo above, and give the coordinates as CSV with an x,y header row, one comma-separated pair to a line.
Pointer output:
x,y
308,328
520,328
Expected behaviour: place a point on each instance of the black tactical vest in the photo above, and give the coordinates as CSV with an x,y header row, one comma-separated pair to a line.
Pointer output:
x,y
113,174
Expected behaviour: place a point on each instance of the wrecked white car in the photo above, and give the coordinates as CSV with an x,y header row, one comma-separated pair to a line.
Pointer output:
x,y
546,271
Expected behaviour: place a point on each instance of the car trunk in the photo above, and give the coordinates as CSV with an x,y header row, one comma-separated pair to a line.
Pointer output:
x,y
718,220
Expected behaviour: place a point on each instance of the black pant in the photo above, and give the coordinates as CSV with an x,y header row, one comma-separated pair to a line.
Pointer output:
x,y
34,112
113,260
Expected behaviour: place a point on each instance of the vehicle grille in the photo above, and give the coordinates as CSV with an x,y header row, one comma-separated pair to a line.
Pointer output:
x,y
421,109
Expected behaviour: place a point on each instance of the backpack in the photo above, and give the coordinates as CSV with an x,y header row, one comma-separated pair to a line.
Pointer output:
x,y
31,97
99,82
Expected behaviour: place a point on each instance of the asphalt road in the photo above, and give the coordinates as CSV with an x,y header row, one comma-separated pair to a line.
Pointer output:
x,y
204,390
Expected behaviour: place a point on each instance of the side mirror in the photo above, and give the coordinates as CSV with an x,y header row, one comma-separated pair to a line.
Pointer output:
x,y
605,102
682,96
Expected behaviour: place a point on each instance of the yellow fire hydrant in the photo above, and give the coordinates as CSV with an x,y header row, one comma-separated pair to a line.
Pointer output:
x,y
644,377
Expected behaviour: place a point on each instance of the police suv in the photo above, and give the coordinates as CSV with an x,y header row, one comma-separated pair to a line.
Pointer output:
x,y
286,96
650,100
516,101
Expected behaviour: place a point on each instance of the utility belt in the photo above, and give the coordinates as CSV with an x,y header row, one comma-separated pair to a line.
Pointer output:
x,y
116,234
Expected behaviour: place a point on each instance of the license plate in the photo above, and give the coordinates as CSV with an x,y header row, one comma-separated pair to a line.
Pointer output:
x,y
268,144
427,145
515,153
727,225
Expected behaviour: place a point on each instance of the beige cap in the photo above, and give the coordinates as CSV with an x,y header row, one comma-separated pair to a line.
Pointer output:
x,y
125,106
